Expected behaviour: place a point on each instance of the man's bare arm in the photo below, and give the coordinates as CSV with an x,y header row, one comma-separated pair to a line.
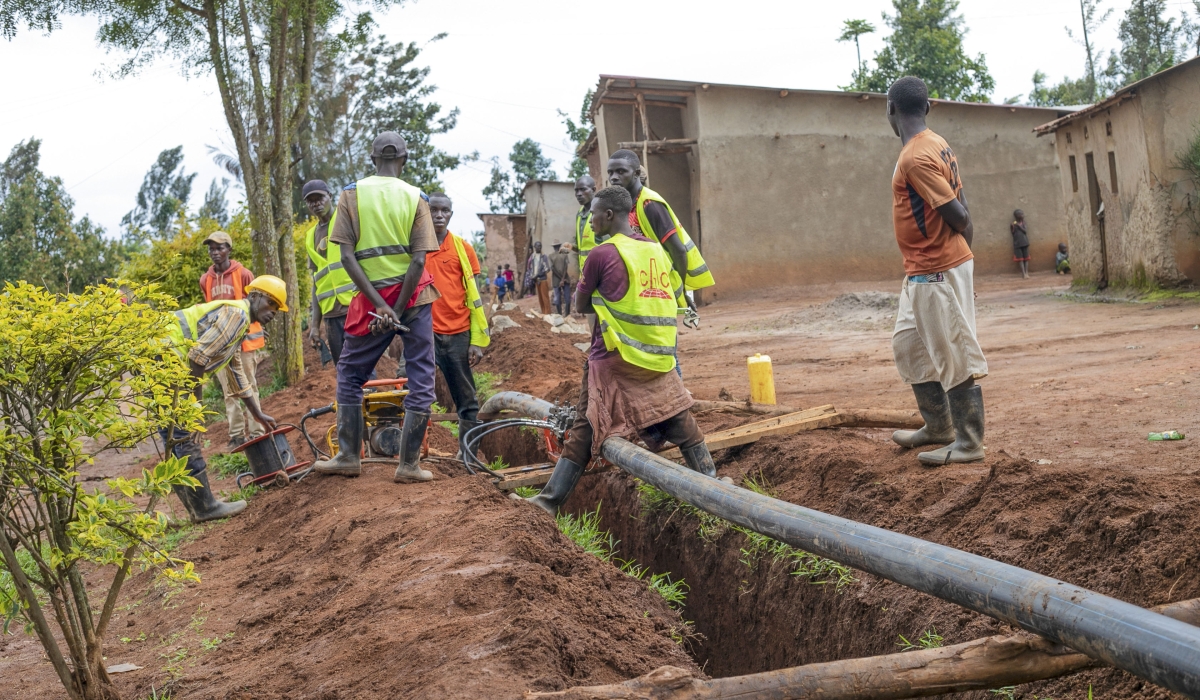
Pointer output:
x,y
956,214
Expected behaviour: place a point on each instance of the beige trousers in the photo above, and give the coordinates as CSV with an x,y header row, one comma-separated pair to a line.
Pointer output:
x,y
241,424
934,339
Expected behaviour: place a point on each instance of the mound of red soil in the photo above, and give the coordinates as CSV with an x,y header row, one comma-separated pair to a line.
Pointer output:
x,y
534,360
1129,537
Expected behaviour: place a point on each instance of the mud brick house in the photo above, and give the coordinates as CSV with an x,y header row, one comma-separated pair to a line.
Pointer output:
x,y
781,186
550,208
1131,212
505,238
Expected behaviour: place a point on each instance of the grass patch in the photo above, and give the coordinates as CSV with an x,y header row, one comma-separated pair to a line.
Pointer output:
x,y
929,639
245,493
1170,294
486,383
527,491
584,530
231,464
818,570
176,537
278,383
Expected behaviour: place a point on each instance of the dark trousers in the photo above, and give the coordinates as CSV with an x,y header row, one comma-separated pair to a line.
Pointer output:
x,y
360,353
335,335
562,298
452,355
680,429
185,446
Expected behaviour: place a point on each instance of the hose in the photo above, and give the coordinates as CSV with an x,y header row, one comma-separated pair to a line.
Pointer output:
x,y
472,438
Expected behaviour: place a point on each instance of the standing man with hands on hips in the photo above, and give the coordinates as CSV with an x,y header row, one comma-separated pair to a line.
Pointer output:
x,y
384,232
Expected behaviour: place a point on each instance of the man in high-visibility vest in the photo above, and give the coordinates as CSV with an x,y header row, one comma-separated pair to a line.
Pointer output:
x,y
332,287
208,337
629,386
460,328
585,238
384,231
654,218
227,279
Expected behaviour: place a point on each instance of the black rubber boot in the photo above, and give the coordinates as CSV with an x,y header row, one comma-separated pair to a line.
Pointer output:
x,y
699,459
935,409
464,426
202,505
348,460
562,483
966,408
409,470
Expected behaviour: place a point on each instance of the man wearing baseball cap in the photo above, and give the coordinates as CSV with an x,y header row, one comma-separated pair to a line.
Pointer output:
x,y
384,230
228,279
332,287
208,337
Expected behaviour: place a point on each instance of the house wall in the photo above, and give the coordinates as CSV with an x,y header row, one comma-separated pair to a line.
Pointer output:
x,y
550,212
504,235
797,189
1148,233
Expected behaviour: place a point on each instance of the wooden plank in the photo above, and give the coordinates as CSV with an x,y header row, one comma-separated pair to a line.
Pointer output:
x,y
516,477
811,419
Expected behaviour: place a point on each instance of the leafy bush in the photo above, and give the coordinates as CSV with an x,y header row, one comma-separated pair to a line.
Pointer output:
x,y
81,374
229,464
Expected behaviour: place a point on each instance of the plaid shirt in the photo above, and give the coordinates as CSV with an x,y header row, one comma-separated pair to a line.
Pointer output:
x,y
219,337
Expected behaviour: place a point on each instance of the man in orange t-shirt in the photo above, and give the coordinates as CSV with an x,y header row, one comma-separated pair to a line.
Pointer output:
x,y
452,348
934,341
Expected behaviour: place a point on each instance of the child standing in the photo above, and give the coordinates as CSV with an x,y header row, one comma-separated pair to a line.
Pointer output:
x,y
1020,242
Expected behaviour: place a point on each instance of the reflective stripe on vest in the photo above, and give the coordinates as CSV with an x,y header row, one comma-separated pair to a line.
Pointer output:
x,y
183,330
387,207
698,275
257,337
332,282
641,325
585,237
480,334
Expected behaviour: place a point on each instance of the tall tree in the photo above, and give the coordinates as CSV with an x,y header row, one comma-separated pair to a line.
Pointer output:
x,y
215,207
927,41
262,54
577,134
505,188
1150,41
162,197
362,85
1090,23
40,241
851,30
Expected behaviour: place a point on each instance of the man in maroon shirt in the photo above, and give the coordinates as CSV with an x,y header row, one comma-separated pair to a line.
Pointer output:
x,y
619,399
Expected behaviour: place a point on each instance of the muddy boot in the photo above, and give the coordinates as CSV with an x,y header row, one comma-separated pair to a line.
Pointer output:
x,y
699,459
966,408
464,426
202,505
555,492
348,460
413,435
935,409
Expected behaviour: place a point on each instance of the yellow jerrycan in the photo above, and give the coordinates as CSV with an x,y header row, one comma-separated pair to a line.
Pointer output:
x,y
762,379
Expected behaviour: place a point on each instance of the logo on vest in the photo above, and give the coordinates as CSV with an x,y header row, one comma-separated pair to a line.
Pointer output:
x,y
654,284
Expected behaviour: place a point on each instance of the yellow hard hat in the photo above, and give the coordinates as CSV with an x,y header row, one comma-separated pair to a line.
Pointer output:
x,y
273,287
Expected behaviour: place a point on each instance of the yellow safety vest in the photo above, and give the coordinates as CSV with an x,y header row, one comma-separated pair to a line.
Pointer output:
x,y
641,326
182,330
480,335
333,284
697,276
387,207
585,237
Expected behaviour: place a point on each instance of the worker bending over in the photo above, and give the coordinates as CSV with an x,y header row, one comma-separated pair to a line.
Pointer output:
x,y
216,330
629,388
227,278
384,231
460,329
332,287
934,340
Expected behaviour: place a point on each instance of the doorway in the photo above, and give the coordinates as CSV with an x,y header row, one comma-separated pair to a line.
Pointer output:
x,y
1096,205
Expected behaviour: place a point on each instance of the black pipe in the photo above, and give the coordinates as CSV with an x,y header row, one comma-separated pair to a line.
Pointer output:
x,y
520,404
1144,643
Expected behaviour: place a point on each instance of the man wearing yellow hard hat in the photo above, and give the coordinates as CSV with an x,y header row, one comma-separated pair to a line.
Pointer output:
x,y
215,331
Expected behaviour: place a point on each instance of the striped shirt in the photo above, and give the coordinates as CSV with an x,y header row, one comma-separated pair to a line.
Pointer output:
x,y
219,336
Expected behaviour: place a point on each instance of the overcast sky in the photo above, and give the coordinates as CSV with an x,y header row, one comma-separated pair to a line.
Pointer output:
x,y
506,65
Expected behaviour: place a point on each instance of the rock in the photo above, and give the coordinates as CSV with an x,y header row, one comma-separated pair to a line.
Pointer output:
x,y
583,346
123,668
508,306
499,323
568,327
554,319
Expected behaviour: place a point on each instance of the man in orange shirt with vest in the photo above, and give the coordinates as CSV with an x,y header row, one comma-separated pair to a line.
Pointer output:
x,y
934,340
227,279
460,331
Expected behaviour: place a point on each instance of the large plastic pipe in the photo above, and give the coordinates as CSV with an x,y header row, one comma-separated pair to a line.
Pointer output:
x,y
1144,643
515,401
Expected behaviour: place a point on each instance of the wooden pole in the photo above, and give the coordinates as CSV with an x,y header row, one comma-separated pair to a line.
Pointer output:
x,y
991,662
641,103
